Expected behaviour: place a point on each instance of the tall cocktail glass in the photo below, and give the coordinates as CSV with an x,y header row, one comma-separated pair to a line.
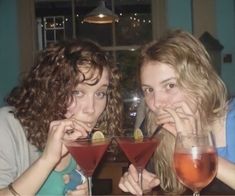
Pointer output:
x,y
195,160
138,152
88,153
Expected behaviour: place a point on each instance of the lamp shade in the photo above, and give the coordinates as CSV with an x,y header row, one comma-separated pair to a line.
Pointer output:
x,y
101,15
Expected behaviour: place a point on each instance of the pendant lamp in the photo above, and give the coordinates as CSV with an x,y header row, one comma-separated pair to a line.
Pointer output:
x,y
101,15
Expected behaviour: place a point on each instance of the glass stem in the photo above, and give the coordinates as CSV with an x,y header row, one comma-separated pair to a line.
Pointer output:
x,y
140,178
196,193
89,181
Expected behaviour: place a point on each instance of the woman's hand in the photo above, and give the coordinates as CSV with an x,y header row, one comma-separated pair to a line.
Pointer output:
x,y
129,181
179,118
80,190
69,129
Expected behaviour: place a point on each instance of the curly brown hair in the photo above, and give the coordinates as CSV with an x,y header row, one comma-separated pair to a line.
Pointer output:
x,y
45,93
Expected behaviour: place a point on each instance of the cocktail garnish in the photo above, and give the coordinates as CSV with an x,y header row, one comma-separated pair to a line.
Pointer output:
x,y
138,135
98,136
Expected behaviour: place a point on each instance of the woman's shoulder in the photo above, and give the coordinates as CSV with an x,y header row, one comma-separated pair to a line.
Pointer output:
x,y
231,112
9,123
231,103
6,112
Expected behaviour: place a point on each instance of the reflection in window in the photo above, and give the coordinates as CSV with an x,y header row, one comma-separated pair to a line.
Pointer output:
x,y
127,62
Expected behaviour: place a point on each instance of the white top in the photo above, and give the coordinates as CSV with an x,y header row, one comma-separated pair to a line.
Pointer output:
x,y
16,154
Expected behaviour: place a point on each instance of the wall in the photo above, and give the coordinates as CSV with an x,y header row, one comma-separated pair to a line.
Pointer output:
x,y
225,17
17,49
179,14
215,16
9,47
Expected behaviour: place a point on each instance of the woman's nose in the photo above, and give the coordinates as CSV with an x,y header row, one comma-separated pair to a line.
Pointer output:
x,y
89,105
159,99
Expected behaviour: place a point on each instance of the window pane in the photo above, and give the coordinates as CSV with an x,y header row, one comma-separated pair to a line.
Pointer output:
x,y
134,26
59,22
50,35
59,14
99,33
49,22
68,27
59,35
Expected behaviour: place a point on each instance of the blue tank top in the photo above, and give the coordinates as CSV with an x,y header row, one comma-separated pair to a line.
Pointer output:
x,y
228,152
54,184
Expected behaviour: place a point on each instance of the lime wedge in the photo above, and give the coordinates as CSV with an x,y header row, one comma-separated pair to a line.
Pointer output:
x,y
98,135
138,135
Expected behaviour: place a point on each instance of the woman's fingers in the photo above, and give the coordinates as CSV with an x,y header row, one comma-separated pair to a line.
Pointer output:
x,y
164,118
128,184
133,172
71,128
84,127
150,181
192,114
183,107
68,129
81,189
183,122
129,181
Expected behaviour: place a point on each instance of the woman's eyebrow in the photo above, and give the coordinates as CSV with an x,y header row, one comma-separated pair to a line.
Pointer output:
x,y
85,85
104,86
167,80
162,82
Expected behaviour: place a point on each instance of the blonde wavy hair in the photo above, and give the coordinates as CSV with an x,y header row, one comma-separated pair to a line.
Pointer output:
x,y
47,90
197,77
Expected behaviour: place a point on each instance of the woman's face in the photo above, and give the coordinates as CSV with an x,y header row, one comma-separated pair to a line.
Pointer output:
x,y
89,101
160,88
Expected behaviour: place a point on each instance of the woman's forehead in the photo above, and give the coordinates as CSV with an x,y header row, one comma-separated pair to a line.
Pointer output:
x,y
157,69
93,75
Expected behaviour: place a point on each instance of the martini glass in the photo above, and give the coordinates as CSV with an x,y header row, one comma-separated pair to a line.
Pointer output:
x,y
138,152
195,160
88,153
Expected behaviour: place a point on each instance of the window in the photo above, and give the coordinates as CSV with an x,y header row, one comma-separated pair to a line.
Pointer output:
x,y
64,20
53,29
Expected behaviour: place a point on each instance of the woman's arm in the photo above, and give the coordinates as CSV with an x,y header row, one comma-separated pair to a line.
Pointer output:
x,y
52,157
31,180
226,172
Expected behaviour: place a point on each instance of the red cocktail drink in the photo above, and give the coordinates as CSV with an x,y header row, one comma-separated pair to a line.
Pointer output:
x,y
138,151
88,154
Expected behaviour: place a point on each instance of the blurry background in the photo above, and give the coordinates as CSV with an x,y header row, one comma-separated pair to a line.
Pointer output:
x,y
27,26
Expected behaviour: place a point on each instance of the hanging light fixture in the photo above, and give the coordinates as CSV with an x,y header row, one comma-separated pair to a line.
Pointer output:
x,y
101,15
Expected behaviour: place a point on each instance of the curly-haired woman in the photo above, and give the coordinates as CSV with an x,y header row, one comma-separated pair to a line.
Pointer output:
x,y
73,85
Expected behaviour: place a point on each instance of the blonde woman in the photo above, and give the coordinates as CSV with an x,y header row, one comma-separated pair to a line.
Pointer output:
x,y
182,89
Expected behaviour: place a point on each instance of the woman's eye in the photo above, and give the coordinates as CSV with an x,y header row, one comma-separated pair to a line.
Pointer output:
x,y
101,94
147,91
170,86
77,93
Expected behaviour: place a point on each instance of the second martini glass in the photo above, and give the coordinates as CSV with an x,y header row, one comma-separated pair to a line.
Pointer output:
x,y
138,152
88,153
